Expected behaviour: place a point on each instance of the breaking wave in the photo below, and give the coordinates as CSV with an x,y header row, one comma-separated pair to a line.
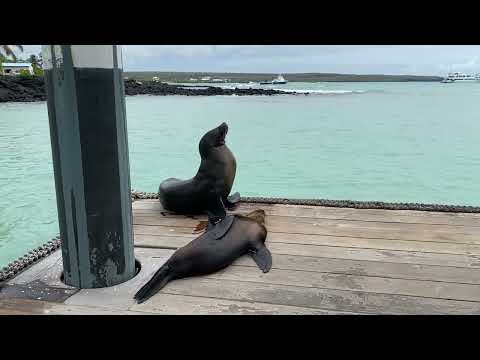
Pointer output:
x,y
321,92
293,91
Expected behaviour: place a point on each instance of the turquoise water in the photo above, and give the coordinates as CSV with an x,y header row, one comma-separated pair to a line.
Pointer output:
x,y
401,142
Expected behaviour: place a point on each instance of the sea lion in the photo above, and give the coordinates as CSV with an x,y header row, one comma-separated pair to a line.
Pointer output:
x,y
221,244
208,190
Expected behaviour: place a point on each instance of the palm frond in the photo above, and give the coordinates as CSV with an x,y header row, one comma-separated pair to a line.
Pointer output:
x,y
7,51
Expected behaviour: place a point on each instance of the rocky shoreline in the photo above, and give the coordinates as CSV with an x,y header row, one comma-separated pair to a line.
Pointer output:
x,y
31,89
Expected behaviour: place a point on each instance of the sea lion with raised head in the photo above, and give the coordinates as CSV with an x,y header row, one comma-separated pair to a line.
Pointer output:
x,y
220,245
208,191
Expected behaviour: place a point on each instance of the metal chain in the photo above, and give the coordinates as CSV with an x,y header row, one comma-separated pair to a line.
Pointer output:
x,y
33,256
29,259
137,195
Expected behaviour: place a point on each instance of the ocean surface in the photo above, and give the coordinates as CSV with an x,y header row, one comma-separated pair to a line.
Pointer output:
x,y
396,142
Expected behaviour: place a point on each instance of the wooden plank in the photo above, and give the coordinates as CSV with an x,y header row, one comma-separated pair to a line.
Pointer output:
x,y
37,307
194,305
407,257
343,213
309,217
370,268
153,218
339,228
395,256
317,298
46,271
36,290
412,271
361,214
146,232
458,220
430,289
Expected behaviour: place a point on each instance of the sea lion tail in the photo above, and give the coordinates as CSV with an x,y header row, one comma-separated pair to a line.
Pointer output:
x,y
155,284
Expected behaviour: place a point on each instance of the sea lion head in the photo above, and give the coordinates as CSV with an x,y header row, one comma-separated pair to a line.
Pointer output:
x,y
214,138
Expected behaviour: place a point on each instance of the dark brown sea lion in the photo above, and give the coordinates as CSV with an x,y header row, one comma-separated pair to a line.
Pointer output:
x,y
208,191
218,247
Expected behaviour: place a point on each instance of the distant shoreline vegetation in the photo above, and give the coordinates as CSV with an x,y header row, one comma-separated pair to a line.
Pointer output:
x,y
185,77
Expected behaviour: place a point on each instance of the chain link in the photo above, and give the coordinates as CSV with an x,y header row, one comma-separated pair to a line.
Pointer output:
x,y
29,259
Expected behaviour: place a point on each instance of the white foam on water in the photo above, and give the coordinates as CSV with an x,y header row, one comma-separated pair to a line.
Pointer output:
x,y
321,92
298,91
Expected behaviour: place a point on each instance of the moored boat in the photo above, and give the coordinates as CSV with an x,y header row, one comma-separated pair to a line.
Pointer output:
x,y
461,77
278,80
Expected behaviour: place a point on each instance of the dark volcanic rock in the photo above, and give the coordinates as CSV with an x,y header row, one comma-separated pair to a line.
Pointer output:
x,y
133,87
20,88
16,88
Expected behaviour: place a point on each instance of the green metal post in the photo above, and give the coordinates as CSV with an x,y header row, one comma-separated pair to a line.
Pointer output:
x,y
86,109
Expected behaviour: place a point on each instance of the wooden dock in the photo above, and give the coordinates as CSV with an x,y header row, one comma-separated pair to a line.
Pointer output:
x,y
325,261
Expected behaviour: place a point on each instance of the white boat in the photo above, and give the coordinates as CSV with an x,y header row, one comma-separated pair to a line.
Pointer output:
x,y
278,80
461,77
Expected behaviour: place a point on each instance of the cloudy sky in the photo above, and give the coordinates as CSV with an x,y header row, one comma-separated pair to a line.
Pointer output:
x,y
358,59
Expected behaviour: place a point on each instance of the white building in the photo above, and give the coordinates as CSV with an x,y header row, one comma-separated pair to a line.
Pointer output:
x,y
15,68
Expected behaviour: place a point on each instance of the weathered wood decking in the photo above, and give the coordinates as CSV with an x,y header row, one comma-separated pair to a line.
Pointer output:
x,y
325,261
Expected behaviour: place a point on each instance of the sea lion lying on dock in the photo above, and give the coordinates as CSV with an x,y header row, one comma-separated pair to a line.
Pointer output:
x,y
208,190
219,246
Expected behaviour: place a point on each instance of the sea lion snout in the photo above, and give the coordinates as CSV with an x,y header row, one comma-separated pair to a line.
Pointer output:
x,y
222,133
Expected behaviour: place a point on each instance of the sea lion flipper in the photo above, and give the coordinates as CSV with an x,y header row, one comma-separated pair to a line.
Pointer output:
x,y
216,209
161,277
262,257
232,200
219,229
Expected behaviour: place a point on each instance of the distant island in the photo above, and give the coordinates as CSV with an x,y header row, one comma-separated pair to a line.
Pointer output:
x,y
192,77
32,88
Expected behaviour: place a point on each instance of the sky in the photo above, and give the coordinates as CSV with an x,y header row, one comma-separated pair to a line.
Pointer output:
x,y
346,59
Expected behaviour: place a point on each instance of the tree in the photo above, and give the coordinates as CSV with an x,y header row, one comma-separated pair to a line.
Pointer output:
x,y
2,60
40,59
33,60
36,64
25,73
6,51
